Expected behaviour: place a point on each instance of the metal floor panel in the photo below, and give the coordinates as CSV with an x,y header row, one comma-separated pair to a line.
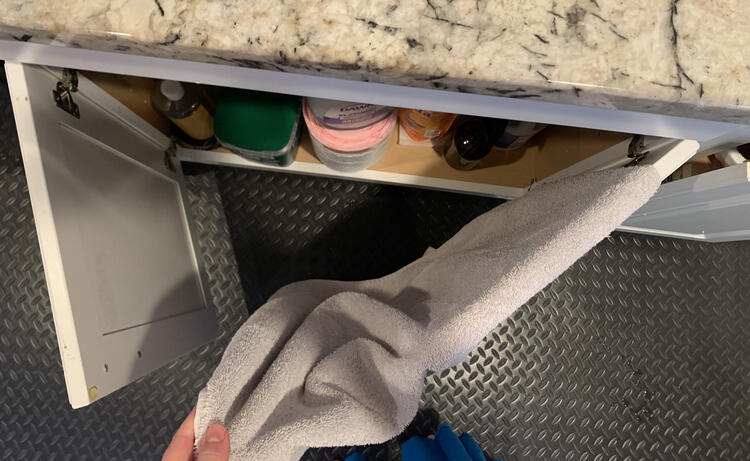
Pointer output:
x,y
640,351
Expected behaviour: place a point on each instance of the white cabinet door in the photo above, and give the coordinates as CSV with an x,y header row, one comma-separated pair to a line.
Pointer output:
x,y
713,207
665,154
125,282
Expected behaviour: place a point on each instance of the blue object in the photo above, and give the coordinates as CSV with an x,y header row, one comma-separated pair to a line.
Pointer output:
x,y
452,447
444,447
472,447
422,449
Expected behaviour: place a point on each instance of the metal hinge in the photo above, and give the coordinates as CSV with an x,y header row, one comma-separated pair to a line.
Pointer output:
x,y
170,156
67,85
642,146
637,150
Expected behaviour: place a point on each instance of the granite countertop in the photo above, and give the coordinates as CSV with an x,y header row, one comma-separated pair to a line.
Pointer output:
x,y
677,57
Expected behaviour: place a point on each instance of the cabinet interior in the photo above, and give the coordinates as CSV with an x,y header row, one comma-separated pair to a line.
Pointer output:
x,y
552,150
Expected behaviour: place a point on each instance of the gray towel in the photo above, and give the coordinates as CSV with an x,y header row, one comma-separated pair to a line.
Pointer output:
x,y
328,363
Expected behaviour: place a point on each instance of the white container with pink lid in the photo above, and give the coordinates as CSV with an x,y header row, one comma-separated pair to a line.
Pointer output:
x,y
345,115
351,149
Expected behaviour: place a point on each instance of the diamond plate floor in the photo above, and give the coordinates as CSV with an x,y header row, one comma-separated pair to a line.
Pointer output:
x,y
641,351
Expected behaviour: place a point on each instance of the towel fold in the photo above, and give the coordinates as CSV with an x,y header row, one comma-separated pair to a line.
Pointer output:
x,y
330,363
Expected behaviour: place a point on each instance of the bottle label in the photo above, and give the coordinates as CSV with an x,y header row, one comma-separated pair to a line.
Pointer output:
x,y
517,134
355,116
429,119
422,125
198,125
510,141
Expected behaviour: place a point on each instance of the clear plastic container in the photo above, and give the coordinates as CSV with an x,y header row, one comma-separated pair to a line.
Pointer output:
x,y
349,162
349,150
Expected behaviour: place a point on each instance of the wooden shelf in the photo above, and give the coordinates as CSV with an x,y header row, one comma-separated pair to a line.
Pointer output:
x,y
552,150
502,173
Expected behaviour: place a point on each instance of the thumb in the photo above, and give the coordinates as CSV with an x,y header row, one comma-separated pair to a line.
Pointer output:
x,y
215,444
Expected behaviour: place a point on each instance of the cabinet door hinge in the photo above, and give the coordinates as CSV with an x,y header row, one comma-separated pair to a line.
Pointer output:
x,y
641,146
63,92
170,156
637,150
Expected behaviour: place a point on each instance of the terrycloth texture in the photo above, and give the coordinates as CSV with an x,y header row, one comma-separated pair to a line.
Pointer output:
x,y
329,363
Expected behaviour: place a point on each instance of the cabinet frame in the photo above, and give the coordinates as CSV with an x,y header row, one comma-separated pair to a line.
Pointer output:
x,y
712,135
666,155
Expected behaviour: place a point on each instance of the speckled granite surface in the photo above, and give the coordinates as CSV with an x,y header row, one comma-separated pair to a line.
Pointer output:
x,y
678,57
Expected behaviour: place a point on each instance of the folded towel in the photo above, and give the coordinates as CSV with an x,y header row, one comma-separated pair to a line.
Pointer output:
x,y
329,363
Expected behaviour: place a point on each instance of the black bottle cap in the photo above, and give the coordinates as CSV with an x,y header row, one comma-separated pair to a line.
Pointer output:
x,y
744,150
475,136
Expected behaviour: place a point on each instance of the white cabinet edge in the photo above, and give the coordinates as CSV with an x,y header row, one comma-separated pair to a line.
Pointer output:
x,y
101,353
666,155
726,188
53,268
382,177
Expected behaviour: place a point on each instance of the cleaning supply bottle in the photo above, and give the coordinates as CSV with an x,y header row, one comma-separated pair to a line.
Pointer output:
x,y
517,134
472,141
424,125
182,104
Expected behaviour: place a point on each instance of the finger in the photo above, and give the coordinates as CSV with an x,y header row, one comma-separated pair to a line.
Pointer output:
x,y
215,445
181,447
472,447
356,457
452,447
422,449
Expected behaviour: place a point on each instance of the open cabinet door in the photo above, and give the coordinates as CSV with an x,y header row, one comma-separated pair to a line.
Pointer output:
x,y
665,154
125,280
711,207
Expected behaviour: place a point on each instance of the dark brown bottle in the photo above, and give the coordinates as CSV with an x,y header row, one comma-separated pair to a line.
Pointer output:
x,y
744,150
182,103
473,139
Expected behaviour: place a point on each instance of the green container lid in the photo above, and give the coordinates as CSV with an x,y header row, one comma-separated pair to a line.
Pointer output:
x,y
255,120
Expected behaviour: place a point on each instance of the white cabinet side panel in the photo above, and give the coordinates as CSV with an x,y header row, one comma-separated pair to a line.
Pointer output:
x,y
126,286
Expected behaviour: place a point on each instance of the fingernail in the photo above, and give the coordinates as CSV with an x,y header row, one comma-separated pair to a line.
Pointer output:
x,y
216,434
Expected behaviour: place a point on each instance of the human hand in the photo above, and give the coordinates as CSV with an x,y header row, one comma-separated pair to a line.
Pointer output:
x,y
214,447
443,446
